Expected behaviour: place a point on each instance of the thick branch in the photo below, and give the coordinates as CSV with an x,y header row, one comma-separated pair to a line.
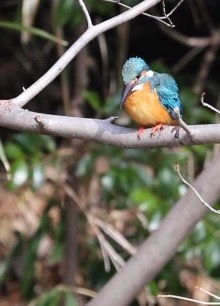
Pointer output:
x,y
90,34
103,131
159,248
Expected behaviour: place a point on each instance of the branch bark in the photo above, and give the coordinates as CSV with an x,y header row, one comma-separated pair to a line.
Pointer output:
x,y
159,248
103,131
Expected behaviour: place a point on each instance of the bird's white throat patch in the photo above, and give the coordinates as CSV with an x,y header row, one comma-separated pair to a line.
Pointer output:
x,y
150,73
137,87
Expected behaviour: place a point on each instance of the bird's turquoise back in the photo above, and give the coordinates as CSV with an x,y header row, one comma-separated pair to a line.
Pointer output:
x,y
167,90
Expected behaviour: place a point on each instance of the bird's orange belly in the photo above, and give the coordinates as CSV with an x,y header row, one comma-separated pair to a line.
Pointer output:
x,y
145,109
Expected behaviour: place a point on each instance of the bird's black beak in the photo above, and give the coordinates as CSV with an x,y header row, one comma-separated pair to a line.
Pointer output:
x,y
127,91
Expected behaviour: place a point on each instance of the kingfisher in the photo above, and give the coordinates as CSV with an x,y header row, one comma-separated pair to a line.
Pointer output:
x,y
150,98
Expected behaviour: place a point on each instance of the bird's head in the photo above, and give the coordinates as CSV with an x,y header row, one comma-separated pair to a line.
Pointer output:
x,y
133,70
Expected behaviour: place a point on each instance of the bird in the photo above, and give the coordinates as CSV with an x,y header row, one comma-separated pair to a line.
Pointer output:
x,y
150,98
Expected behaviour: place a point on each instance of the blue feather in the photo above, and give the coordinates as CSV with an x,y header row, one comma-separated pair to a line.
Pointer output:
x,y
167,90
132,68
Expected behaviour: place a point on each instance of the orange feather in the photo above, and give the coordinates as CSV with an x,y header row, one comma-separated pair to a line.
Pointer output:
x,y
145,108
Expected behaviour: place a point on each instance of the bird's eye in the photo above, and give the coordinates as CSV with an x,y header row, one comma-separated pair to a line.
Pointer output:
x,y
138,76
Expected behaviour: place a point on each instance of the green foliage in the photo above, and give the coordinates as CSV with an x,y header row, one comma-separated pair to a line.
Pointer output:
x,y
25,153
109,108
32,30
6,264
28,275
69,11
194,112
93,99
55,296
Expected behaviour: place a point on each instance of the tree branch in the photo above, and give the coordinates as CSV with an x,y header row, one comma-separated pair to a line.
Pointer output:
x,y
85,11
89,35
103,131
159,248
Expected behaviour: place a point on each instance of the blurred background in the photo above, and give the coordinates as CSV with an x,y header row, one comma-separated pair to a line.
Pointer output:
x,y
71,211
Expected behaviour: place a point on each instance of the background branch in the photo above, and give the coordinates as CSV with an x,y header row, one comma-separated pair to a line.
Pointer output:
x,y
159,248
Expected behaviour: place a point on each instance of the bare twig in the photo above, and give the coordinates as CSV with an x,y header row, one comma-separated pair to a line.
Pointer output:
x,y
186,58
115,235
187,299
208,105
206,64
185,40
107,250
85,11
209,293
149,15
216,211
165,14
158,18
175,8
4,160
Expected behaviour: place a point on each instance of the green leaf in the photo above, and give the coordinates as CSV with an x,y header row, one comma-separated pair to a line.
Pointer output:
x,y
34,31
38,175
93,99
20,173
33,143
13,151
3,157
68,11
70,299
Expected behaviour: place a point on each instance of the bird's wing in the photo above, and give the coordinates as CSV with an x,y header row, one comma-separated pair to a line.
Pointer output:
x,y
167,91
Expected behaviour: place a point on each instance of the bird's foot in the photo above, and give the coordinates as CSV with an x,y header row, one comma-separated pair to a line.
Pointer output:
x,y
112,119
140,132
177,131
156,128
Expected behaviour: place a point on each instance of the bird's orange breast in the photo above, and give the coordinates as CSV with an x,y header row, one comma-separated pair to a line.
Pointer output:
x,y
145,108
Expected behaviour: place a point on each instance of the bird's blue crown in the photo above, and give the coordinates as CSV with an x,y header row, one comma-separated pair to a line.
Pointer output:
x,y
132,68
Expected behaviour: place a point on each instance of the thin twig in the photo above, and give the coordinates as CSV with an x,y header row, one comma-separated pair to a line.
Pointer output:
x,y
115,235
186,58
187,299
5,161
85,11
190,41
145,14
216,211
158,18
206,63
149,15
208,105
165,14
175,8
209,293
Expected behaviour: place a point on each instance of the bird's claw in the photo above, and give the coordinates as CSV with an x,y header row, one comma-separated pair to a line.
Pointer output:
x,y
156,128
112,119
140,132
177,131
